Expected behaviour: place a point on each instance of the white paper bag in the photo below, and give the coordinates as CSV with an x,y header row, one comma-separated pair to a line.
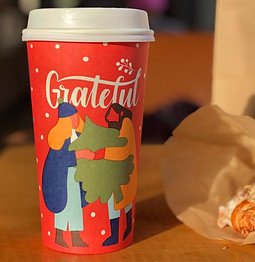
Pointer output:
x,y
234,57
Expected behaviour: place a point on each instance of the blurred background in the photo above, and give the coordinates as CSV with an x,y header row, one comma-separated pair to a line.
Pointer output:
x,y
186,24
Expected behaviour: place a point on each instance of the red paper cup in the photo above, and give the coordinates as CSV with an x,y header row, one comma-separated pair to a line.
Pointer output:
x,y
87,88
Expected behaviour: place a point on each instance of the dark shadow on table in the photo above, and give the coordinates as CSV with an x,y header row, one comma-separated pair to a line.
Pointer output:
x,y
153,217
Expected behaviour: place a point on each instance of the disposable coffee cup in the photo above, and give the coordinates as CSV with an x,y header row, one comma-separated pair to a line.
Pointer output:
x,y
87,79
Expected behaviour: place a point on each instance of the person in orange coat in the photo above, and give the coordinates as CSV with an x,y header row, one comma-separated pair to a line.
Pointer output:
x,y
120,118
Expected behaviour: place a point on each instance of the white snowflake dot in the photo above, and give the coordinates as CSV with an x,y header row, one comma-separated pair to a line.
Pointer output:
x,y
105,44
122,60
37,70
57,46
103,232
31,46
85,59
93,214
32,89
41,215
47,115
36,160
48,233
137,45
39,188
42,137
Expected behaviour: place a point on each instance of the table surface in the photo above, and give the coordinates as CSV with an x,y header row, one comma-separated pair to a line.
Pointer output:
x,y
159,236
185,71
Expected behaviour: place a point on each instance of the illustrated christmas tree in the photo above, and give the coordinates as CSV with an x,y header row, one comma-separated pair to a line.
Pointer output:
x,y
101,178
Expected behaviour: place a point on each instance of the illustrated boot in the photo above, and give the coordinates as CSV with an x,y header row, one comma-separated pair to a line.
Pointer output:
x,y
77,240
59,238
129,224
113,239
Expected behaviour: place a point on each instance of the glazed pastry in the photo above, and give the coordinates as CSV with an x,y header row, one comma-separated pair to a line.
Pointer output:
x,y
243,217
239,212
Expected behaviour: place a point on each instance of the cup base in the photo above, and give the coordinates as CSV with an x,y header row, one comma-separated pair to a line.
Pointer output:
x,y
89,250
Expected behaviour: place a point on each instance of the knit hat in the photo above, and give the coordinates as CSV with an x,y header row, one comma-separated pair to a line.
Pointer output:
x,y
65,109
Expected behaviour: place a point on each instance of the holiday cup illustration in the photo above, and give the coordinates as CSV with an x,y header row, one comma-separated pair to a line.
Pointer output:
x,y
62,195
87,89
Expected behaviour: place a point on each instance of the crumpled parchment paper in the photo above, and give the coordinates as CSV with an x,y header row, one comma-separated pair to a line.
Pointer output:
x,y
209,157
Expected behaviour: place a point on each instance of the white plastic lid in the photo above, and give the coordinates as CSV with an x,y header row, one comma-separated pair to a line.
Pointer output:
x,y
88,25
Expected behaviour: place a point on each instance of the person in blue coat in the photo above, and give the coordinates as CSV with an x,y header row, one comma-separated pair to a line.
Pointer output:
x,y
62,195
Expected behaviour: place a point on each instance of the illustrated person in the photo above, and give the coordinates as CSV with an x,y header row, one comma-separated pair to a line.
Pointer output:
x,y
62,195
120,118
110,175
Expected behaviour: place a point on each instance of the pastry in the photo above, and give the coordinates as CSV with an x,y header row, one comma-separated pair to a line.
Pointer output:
x,y
243,217
239,212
